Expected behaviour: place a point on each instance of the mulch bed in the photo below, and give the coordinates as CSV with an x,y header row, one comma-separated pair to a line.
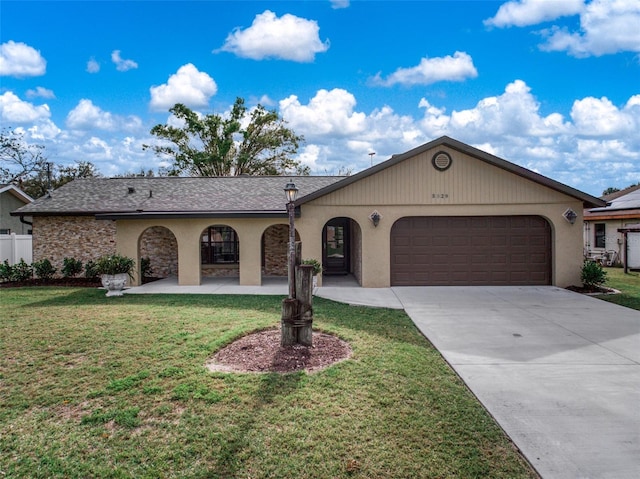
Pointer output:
x,y
592,289
261,352
64,282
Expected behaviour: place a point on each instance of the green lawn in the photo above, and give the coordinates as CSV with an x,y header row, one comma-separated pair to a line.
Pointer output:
x,y
116,387
628,285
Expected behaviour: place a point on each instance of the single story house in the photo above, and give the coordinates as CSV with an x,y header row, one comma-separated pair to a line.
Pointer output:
x,y
12,198
444,213
604,228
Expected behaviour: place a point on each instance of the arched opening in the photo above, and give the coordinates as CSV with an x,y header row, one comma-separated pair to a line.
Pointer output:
x,y
342,248
158,253
275,248
219,252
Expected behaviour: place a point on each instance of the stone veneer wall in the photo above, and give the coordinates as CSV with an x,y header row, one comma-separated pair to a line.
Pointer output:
x,y
79,237
275,244
220,271
160,246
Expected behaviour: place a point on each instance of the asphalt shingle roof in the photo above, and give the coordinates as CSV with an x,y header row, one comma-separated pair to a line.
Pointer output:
x,y
174,195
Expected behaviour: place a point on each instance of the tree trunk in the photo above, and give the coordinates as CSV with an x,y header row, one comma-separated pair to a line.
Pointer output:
x,y
288,330
304,296
297,314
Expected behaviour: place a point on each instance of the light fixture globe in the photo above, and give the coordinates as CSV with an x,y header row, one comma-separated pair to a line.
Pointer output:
x,y
291,191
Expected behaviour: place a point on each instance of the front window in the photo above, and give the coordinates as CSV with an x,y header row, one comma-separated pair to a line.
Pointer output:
x,y
219,246
600,235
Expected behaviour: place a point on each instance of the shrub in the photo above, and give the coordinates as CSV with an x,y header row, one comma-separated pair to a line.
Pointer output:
x,y
44,269
317,267
71,267
21,271
90,269
592,274
145,267
114,264
6,271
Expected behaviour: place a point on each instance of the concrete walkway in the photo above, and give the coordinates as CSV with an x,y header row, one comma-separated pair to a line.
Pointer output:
x,y
559,371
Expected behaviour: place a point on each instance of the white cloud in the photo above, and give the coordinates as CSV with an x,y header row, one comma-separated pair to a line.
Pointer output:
x,y
328,113
600,117
20,60
87,116
40,92
606,27
286,38
336,4
122,65
458,67
515,113
93,66
45,129
13,109
521,13
95,150
309,156
187,85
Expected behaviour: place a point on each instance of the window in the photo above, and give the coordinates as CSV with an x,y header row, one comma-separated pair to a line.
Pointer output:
x,y
219,246
599,235
5,231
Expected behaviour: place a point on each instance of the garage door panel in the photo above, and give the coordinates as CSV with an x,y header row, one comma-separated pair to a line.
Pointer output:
x,y
492,250
440,241
460,241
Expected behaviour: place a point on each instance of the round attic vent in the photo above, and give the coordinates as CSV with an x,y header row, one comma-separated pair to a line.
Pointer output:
x,y
441,161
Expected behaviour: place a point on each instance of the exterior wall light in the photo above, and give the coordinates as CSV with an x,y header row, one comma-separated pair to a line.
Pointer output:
x,y
375,217
570,215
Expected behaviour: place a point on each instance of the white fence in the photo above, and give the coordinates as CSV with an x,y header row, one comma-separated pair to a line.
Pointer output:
x,y
15,247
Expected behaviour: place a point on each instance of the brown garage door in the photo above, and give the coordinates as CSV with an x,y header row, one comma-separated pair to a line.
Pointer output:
x,y
471,250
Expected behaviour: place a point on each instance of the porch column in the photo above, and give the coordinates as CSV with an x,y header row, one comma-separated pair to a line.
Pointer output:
x,y
127,234
188,240
376,254
250,240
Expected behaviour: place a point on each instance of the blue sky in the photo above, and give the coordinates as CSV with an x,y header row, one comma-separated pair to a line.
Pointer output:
x,y
553,86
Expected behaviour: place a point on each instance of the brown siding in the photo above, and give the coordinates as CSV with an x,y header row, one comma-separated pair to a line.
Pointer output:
x,y
416,182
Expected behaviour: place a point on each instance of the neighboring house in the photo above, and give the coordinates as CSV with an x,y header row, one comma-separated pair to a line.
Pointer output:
x,y
449,214
603,239
12,198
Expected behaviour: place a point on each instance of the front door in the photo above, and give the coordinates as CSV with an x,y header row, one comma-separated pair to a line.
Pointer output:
x,y
335,247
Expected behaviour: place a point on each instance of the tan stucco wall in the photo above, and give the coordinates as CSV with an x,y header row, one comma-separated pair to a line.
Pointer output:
x,y
188,233
469,187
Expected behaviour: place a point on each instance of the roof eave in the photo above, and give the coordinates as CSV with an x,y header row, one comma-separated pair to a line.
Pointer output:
x,y
140,215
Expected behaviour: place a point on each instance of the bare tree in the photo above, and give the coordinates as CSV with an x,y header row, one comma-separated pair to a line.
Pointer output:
x,y
18,159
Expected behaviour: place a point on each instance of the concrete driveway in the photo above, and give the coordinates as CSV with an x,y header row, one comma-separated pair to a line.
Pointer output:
x,y
559,371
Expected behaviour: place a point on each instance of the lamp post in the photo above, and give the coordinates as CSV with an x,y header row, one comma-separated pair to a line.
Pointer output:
x,y
292,194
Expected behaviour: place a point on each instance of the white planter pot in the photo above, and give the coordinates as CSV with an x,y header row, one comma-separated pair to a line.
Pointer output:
x,y
114,283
